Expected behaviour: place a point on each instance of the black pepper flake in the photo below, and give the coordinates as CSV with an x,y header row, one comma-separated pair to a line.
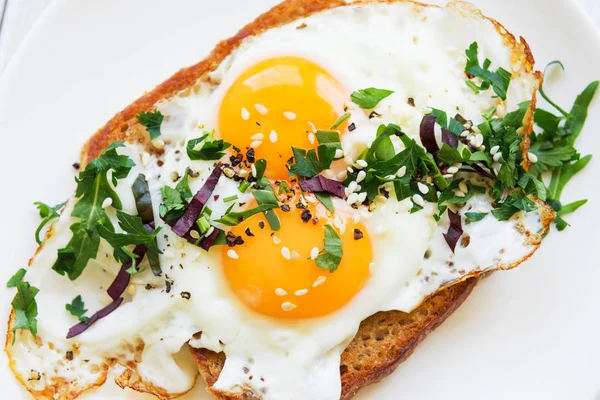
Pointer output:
x,y
236,149
185,295
76,166
358,234
69,355
192,173
236,160
248,232
261,224
168,283
149,286
352,127
306,215
411,102
290,160
250,155
374,114
233,239
285,208
34,375
300,205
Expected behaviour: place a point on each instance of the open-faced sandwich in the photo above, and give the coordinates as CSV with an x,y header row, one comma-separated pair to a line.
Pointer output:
x,y
291,216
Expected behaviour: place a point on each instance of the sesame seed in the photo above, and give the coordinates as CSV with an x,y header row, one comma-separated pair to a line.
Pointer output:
x,y
401,171
462,186
210,230
107,202
497,157
295,255
195,234
381,199
245,114
276,240
158,143
339,153
232,254
478,140
280,292
285,252
312,126
261,109
350,170
362,197
287,306
257,136
452,170
533,158
243,173
390,177
255,144
464,134
314,253
253,169
361,176
131,289
361,163
289,115
352,198
458,193
168,254
447,176
301,292
273,136
423,188
319,281
311,138
418,200
352,186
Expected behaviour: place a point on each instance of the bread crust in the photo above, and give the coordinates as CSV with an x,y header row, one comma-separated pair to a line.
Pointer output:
x,y
388,337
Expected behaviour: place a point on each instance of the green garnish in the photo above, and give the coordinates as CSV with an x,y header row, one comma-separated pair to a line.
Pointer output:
x,y
340,120
152,121
307,164
325,199
16,278
370,97
498,80
134,233
330,257
205,149
175,200
77,309
230,198
265,199
25,308
93,189
283,188
474,217
48,213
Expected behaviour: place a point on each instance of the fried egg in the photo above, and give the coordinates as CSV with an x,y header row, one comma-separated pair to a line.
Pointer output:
x,y
281,321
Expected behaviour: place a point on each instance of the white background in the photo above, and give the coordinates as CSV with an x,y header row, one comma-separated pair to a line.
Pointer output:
x,y
20,15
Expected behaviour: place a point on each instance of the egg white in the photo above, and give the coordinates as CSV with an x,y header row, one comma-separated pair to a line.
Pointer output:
x,y
417,52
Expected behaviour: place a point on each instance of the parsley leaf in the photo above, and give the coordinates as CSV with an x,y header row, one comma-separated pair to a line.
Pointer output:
x,y
307,164
499,80
92,189
370,97
152,121
48,213
325,199
25,308
16,278
513,204
77,309
175,200
330,257
475,216
210,150
135,233
266,200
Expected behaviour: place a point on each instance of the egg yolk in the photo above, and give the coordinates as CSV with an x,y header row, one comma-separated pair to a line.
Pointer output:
x,y
278,103
274,273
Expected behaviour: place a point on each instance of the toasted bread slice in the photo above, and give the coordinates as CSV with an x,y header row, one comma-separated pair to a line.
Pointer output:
x,y
382,342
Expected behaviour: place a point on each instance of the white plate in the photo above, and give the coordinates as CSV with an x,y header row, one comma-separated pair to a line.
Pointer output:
x,y
532,333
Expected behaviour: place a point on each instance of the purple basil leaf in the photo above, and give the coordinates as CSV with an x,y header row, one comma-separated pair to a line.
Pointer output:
x,y
118,286
319,183
455,230
449,138
193,210
81,327
427,133
208,241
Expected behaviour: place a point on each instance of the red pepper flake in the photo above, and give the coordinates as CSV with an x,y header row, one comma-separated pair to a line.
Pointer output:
x,y
358,234
69,355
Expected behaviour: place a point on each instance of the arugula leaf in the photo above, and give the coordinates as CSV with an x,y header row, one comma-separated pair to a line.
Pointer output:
x,y
92,190
25,308
475,216
210,150
16,278
498,80
561,176
330,257
579,112
48,213
307,164
261,167
514,203
550,155
152,121
77,309
370,97
135,233
265,199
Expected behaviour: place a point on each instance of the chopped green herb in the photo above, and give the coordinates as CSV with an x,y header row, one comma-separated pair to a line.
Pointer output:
x,y
16,278
135,233
307,164
283,188
25,308
260,166
370,97
48,213
78,310
265,199
474,216
330,257
340,120
498,80
205,149
325,199
152,121
230,198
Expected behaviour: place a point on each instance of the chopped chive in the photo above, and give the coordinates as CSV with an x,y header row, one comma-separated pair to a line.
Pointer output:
x,y
340,120
230,198
244,186
203,224
283,187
